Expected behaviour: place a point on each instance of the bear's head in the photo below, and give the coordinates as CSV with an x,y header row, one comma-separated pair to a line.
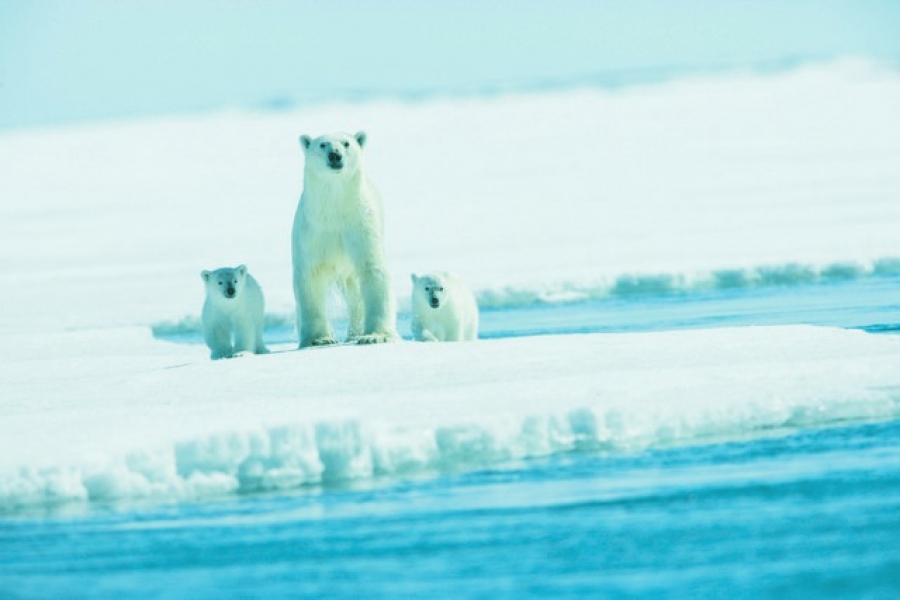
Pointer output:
x,y
428,289
338,154
226,283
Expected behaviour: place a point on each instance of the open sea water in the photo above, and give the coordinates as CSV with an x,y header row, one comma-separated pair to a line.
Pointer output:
x,y
807,513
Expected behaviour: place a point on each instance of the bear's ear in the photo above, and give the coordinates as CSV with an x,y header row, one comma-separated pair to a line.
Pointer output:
x,y
241,270
305,141
361,138
414,278
205,275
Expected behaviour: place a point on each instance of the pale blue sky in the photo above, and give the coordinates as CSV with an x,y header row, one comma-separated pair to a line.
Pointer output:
x,y
75,60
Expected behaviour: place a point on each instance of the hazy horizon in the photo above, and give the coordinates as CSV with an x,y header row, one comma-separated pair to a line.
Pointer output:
x,y
89,60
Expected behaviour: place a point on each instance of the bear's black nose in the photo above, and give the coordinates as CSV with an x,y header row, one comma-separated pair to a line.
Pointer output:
x,y
435,303
334,157
229,291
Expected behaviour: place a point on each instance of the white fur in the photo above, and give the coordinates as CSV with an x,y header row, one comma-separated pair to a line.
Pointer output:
x,y
338,241
454,319
233,326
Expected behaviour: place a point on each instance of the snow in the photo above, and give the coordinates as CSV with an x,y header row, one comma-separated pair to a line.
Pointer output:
x,y
134,418
526,196
736,180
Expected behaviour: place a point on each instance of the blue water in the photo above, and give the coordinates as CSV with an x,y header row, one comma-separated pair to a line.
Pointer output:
x,y
868,303
812,514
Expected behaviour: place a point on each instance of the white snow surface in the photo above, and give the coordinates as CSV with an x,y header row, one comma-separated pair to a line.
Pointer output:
x,y
734,180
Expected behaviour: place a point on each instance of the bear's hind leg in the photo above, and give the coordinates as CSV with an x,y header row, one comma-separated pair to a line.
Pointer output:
x,y
260,344
355,312
259,326
248,340
471,331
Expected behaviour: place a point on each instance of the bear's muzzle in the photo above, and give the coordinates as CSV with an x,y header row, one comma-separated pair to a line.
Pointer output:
x,y
335,160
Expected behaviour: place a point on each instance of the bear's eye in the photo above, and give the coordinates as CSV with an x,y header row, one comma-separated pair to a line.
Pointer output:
x,y
346,144
440,289
322,145
220,283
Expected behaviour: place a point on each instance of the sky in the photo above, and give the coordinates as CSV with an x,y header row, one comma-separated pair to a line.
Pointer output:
x,y
65,61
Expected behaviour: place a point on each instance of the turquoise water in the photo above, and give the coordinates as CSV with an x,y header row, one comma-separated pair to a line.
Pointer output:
x,y
869,303
812,514
809,512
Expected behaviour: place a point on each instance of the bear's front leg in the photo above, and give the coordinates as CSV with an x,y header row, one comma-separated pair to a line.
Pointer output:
x,y
380,321
311,294
218,339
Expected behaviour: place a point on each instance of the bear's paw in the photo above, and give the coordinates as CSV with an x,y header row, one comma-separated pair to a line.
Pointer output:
x,y
376,338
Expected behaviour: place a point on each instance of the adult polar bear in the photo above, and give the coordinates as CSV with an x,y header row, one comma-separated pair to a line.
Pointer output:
x,y
338,241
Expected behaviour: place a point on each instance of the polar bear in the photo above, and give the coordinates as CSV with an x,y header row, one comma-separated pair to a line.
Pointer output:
x,y
443,309
233,313
338,242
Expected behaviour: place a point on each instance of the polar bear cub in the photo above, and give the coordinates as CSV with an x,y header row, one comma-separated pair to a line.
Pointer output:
x,y
443,309
233,313
338,243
